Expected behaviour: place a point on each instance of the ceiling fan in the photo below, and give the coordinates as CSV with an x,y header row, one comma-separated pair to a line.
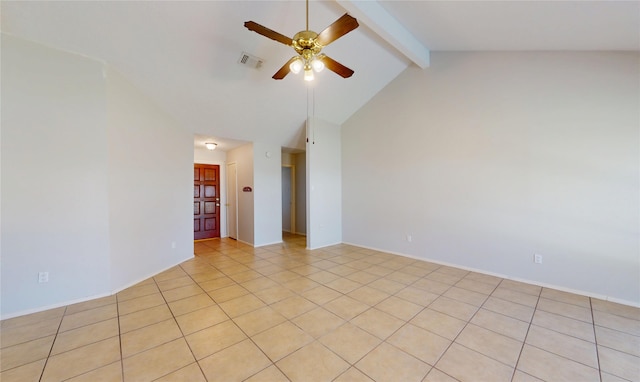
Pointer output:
x,y
308,45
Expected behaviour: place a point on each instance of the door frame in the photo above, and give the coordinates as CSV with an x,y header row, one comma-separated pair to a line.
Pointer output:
x,y
292,208
235,198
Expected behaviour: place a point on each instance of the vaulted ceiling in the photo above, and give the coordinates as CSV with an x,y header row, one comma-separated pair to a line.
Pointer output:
x,y
184,54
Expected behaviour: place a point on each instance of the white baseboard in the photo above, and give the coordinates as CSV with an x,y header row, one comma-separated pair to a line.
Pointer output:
x,y
502,276
87,298
267,244
326,245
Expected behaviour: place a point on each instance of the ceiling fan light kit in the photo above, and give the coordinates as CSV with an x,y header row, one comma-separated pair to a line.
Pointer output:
x,y
296,65
308,45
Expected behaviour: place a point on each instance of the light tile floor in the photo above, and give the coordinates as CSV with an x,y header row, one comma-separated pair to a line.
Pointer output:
x,y
281,313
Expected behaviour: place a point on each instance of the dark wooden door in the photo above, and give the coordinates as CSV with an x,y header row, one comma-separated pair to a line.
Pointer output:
x,y
206,201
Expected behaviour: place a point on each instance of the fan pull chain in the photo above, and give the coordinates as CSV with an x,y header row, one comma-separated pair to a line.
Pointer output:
x,y
313,93
311,128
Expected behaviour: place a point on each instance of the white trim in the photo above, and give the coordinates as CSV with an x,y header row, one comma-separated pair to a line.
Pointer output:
x,y
129,285
267,244
507,277
54,306
243,242
235,181
332,244
563,289
88,298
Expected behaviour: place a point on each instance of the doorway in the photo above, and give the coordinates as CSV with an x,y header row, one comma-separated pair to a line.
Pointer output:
x,y
289,198
206,201
232,200
294,192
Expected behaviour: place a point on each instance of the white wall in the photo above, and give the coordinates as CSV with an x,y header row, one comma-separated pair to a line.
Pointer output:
x,y
487,158
243,157
150,186
324,184
54,177
219,157
96,181
267,194
259,211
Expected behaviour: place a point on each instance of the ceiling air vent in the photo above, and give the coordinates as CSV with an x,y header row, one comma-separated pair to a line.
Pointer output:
x,y
250,61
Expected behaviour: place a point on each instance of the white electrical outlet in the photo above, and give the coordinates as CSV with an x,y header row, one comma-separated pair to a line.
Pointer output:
x,y
537,258
173,245
409,238
43,277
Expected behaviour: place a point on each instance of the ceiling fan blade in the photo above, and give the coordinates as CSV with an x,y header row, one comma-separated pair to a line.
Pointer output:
x,y
280,74
266,32
337,67
339,28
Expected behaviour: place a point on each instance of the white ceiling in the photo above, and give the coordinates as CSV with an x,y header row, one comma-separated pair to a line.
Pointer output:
x,y
183,54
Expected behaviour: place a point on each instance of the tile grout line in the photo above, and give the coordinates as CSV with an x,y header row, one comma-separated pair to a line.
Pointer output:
x,y
467,321
317,306
524,340
351,365
44,367
564,356
76,328
569,335
120,338
146,326
461,330
595,338
384,340
184,337
273,363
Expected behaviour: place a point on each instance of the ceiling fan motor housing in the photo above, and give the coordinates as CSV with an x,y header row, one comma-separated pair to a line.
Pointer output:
x,y
305,44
